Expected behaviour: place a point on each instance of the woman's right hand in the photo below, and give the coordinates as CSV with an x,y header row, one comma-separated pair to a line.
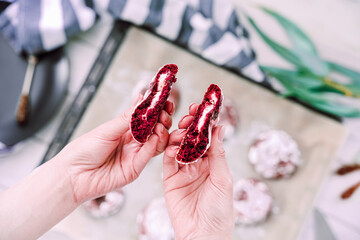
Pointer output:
x,y
199,196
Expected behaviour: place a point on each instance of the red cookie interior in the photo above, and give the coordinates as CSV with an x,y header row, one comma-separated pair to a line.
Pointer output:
x,y
147,112
197,138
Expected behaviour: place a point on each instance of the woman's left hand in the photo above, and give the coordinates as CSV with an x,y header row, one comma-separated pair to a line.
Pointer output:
x,y
108,157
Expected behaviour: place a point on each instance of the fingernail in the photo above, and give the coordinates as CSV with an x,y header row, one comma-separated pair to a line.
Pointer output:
x,y
181,131
191,105
221,133
172,108
176,150
186,116
173,151
162,129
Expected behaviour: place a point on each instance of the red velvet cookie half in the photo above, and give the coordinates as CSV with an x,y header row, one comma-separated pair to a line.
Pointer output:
x,y
147,112
198,135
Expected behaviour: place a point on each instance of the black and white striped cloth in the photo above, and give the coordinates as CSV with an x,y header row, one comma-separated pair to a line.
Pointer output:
x,y
210,28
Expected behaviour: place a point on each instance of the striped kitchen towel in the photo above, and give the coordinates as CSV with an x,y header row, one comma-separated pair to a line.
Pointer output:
x,y
210,28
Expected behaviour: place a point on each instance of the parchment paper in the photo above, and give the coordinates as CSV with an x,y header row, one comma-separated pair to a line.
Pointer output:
x,y
139,57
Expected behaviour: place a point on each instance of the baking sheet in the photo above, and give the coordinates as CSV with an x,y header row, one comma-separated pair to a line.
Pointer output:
x,y
139,58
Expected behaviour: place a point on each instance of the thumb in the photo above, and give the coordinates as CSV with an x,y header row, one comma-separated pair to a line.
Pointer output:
x,y
146,152
170,166
115,128
219,169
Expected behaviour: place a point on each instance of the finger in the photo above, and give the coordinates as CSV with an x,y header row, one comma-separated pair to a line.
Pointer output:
x,y
169,107
170,166
219,169
146,152
115,128
193,108
163,135
177,136
165,119
185,121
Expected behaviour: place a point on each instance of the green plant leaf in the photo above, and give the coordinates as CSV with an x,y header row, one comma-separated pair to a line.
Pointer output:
x,y
354,89
301,93
301,60
354,75
307,83
321,101
338,110
315,64
301,79
298,38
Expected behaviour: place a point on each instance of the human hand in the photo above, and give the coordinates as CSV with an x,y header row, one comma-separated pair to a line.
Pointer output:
x,y
108,157
199,196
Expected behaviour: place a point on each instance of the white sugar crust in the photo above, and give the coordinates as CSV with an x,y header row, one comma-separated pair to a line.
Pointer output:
x,y
274,154
154,222
110,205
256,202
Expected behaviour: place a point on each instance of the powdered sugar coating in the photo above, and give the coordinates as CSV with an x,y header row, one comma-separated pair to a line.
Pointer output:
x,y
252,201
274,154
107,205
154,222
